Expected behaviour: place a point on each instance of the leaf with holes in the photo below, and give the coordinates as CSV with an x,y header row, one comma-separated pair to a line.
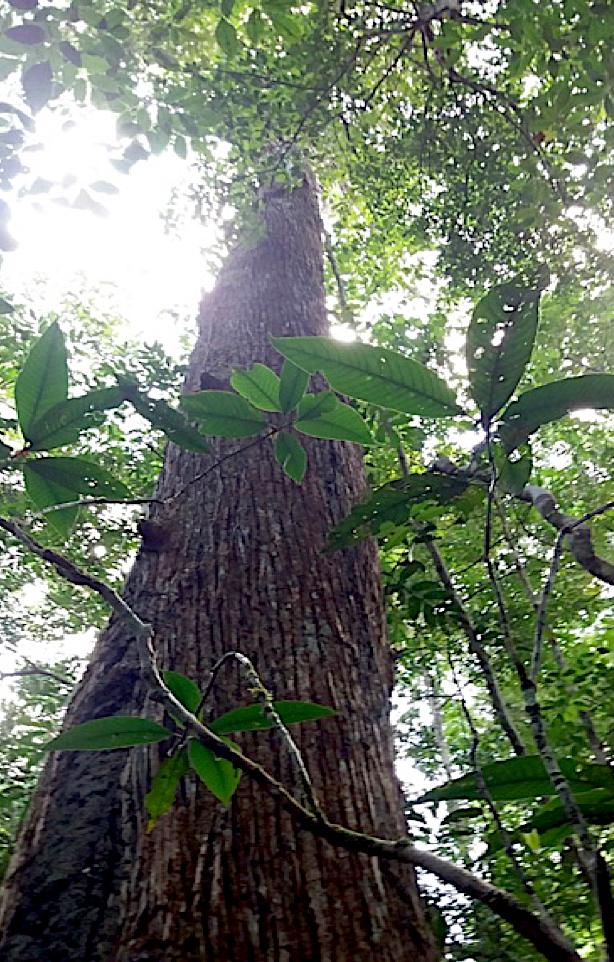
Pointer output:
x,y
553,401
220,776
323,416
43,379
373,374
223,414
112,731
253,717
259,385
290,453
499,344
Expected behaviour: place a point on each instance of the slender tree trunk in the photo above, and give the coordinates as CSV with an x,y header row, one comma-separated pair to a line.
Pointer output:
x,y
242,569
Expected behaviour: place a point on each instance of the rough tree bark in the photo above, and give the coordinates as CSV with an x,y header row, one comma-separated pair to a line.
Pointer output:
x,y
241,569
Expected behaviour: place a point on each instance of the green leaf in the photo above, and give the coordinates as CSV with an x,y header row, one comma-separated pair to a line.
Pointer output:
x,y
63,423
290,453
550,819
43,380
5,452
553,401
37,83
514,475
223,414
259,385
184,689
226,37
52,481
173,423
373,374
341,422
499,344
112,731
6,307
292,385
523,777
392,504
29,34
253,717
220,777
160,797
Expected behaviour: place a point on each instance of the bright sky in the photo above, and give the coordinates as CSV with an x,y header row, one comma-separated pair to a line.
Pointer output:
x,y
136,267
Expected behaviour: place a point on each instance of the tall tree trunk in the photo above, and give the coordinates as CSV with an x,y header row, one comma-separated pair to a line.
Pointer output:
x,y
242,569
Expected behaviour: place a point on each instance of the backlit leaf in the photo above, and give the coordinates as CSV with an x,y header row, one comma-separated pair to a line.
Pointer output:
x,y
553,401
43,380
223,414
290,453
373,374
259,385
499,344
339,421
63,423
292,385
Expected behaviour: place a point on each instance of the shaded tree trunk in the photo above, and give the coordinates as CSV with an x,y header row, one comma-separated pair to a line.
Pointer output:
x,y
242,569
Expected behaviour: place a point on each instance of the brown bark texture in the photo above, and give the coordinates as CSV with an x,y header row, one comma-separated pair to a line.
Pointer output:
x,y
242,568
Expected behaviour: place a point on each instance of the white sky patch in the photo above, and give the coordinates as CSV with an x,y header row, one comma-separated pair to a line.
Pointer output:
x,y
137,269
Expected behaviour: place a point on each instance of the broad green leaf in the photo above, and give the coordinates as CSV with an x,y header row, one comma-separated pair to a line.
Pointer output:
x,y
29,34
52,481
523,777
341,422
220,776
550,821
553,401
226,36
514,475
499,344
45,493
173,423
6,307
290,453
292,385
393,504
160,797
112,731
43,380
259,385
223,414
63,423
253,717
184,689
373,374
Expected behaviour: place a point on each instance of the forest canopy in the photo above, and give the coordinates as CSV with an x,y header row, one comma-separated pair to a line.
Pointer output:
x,y
462,154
